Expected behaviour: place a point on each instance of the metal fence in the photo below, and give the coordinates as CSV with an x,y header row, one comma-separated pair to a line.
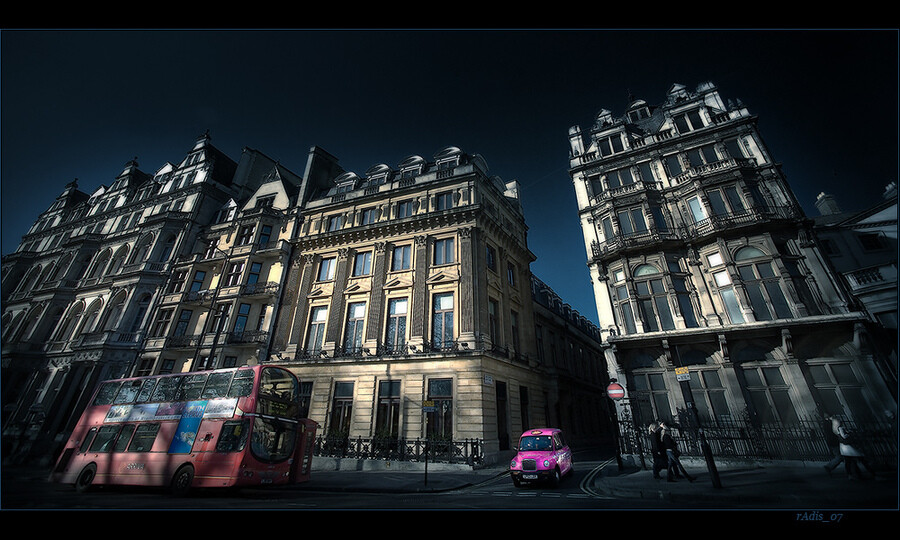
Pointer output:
x,y
742,439
466,451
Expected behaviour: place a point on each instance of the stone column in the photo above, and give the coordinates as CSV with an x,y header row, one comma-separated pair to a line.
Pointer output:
x,y
419,305
375,315
289,332
336,315
468,304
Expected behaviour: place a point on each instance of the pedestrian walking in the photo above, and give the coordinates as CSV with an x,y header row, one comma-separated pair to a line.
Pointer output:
x,y
656,449
673,465
850,451
833,442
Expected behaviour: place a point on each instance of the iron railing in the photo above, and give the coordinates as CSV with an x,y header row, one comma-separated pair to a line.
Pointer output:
x,y
742,439
466,451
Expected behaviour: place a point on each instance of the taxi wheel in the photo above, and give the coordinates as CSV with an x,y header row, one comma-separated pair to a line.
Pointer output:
x,y
554,478
517,482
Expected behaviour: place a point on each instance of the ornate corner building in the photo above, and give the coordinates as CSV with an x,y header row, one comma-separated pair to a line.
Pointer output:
x,y
403,299
705,269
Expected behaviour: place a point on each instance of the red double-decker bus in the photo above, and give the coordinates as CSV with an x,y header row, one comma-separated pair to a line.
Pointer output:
x,y
237,427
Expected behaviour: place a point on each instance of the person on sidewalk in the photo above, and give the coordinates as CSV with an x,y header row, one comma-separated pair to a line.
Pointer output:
x,y
853,456
656,449
833,442
674,465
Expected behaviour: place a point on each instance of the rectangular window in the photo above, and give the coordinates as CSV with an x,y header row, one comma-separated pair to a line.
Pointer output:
x,y
233,277
401,258
610,145
443,201
729,298
368,216
387,417
240,322
625,307
396,325
673,165
696,207
183,320
162,322
326,269
493,321
265,234
221,317
404,209
341,409
335,223
618,178
353,336
439,421
177,283
197,283
511,274
442,321
491,257
253,275
362,266
646,172
444,251
246,235
514,325
632,221
316,334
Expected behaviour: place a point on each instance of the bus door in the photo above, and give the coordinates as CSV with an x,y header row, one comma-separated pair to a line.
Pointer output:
x,y
302,462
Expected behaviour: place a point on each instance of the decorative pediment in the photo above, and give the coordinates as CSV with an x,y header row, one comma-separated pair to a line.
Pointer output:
x,y
442,277
400,282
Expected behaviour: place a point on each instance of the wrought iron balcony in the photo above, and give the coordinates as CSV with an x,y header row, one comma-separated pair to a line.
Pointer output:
x,y
254,336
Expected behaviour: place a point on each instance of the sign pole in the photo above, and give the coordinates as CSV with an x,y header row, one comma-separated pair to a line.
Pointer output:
x,y
683,375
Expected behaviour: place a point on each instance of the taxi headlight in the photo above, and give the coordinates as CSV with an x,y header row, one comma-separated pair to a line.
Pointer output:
x,y
547,463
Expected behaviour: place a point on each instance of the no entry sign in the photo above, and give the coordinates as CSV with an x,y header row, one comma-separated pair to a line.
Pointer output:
x,y
615,391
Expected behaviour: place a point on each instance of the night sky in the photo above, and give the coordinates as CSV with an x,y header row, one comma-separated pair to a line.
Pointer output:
x,y
81,103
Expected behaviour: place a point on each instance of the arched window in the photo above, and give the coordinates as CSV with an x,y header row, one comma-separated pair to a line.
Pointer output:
x,y
652,299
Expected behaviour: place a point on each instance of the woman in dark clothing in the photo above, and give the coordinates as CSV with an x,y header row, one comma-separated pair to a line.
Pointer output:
x,y
671,448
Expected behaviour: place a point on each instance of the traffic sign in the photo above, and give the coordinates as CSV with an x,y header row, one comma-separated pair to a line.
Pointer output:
x,y
615,391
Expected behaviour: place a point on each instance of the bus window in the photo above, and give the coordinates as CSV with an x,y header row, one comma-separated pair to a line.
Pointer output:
x,y
166,388
242,384
103,442
217,385
146,390
124,438
106,393
192,387
88,438
143,438
233,436
272,440
278,394
128,392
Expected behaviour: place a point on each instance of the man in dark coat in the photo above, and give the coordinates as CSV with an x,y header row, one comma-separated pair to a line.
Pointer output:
x,y
656,449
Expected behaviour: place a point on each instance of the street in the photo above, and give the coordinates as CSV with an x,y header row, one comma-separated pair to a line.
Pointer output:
x,y
574,492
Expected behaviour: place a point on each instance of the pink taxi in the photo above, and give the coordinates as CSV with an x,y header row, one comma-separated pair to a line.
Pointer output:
x,y
543,455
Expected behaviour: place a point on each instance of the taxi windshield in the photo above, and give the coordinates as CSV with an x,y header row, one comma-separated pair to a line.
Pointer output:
x,y
538,442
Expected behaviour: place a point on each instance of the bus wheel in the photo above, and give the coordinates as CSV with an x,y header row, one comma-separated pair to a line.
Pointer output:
x,y
85,478
181,482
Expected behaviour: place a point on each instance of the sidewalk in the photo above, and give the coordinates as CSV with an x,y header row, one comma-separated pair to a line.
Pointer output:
x,y
777,485
761,485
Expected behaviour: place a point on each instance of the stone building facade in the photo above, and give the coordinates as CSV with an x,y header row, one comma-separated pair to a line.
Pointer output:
x,y
410,310
706,270
402,299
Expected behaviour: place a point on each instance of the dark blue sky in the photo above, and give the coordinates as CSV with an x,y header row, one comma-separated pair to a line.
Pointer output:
x,y
79,104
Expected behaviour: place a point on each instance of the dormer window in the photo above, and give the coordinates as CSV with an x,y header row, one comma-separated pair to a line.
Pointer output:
x,y
265,202
639,114
688,121
610,145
